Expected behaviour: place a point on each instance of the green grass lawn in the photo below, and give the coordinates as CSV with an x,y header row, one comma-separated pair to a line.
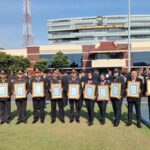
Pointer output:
x,y
73,136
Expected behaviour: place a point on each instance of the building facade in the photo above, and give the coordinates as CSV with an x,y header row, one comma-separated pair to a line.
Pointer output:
x,y
92,30
102,56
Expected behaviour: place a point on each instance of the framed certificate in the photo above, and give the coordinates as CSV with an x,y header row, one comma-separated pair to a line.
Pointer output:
x,y
56,91
103,93
38,89
148,86
89,91
133,89
20,90
115,90
74,91
4,90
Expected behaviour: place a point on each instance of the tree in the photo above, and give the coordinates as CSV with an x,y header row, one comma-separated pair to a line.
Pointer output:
x,y
19,62
13,63
42,64
59,60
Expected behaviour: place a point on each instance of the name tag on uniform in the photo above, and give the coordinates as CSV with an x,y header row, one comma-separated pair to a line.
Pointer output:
x,y
38,89
20,90
4,90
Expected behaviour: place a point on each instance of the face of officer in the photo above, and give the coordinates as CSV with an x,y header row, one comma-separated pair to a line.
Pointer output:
x,y
90,76
3,75
102,77
37,74
20,75
116,74
83,74
55,75
74,75
134,74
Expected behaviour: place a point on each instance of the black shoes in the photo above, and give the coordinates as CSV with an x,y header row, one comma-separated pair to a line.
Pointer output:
x,y
63,121
34,121
42,121
2,122
71,121
77,120
128,124
90,123
53,121
139,125
116,124
18,122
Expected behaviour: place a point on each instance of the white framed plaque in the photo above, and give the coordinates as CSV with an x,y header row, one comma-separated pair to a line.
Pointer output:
x,y
4,90
56,91
20,90
74,91
38,89
133,89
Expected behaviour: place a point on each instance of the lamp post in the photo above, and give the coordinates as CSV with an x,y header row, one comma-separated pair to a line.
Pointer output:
x,y
129,44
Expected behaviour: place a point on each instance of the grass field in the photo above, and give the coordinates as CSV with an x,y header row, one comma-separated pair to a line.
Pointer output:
x,y
73,136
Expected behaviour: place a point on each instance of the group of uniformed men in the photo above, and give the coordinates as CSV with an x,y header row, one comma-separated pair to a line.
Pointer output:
x,y
65,79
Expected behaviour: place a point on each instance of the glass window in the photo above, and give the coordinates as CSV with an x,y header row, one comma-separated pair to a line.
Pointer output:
x,y
141,58
74,58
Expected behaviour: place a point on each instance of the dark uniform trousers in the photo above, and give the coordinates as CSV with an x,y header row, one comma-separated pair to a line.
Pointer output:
x,y
5,103
21,109
61,109
102,106
137,108
74,104
90,107
117,105
136,102
38,104
5,107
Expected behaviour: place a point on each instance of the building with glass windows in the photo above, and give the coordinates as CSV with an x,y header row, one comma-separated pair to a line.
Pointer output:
x,y
92,30
102,56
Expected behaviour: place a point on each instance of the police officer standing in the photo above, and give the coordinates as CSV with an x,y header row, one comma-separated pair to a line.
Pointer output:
x,y
5,103
134,101
74,102
90,102
38,102
22,102
102,104
117,102
55,80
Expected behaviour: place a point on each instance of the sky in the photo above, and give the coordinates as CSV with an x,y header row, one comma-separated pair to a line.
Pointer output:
x,y
11,16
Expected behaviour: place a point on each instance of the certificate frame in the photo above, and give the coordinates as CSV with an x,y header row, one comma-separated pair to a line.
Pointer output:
x,y
16,86
106,88
53,96
34,94
5,85
118,94
77,96
93,88
148,86
131,83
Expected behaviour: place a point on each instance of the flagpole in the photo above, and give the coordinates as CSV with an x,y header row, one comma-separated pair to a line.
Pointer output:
x,y
129,44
